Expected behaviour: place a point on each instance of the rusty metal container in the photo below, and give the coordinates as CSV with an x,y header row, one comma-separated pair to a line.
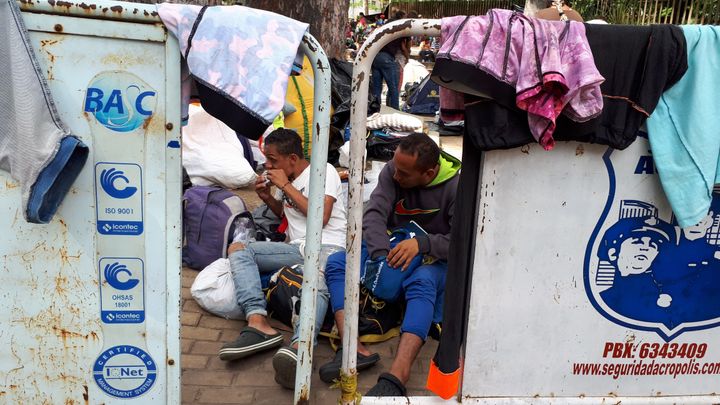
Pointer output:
x,y
91,308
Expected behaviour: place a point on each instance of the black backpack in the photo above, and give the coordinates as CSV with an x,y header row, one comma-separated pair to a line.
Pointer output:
x,y
378,320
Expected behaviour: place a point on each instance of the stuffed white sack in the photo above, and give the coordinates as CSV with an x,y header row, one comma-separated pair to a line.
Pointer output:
x,y
214,290
212,153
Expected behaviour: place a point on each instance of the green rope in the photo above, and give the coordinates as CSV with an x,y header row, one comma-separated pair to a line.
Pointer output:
x,y
306,132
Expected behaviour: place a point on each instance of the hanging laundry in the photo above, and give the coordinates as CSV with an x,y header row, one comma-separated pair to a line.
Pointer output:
x,y
35,146
630,91
546,67
639,64
240,59
683,130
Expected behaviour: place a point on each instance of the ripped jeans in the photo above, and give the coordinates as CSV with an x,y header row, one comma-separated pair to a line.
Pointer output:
x,y
269,257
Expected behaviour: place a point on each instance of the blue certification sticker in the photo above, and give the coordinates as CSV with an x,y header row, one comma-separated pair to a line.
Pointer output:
x,y
125,371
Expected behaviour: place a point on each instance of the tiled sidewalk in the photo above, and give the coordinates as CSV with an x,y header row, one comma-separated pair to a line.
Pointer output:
x,y
208,380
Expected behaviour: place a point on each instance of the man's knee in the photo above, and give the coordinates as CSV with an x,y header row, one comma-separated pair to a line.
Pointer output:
x,y
235,247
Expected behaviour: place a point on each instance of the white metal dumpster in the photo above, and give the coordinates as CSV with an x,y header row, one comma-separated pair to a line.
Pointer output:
x,y
91,300
584,288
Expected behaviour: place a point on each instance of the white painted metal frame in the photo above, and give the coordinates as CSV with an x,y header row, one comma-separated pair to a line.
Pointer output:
x,y
316,197
358,121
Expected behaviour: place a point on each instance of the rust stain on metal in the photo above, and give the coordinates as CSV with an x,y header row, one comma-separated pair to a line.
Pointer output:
x,y
169,126
309,44
58,28
579,151
525,149
66,4
87,7
395,28
146,122
304,396
51,2
86,394
11,184
171,362
359,81
117,9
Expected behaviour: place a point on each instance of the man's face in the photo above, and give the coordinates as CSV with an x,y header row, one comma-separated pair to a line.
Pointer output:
x,y
636,255
277,161
406,172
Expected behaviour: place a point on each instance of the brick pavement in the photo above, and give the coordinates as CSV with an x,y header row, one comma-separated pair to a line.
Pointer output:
x,y
208,380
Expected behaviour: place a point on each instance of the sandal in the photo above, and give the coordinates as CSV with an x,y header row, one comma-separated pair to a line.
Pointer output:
x,y
387,386
330,372
249,342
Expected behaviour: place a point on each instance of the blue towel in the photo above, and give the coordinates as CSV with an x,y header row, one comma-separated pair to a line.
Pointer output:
x,y
684,129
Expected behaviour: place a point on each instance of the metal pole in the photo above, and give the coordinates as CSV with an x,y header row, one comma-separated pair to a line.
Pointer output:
x,y
358,121
313,238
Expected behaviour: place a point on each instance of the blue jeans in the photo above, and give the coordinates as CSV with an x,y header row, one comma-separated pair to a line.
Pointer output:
x,y
424,292
385,67
269,257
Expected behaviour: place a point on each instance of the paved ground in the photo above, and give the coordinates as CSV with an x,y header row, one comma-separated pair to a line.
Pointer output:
x,y
207,380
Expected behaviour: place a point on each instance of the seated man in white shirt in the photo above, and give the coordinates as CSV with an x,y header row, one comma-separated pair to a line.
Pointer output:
x,y
289,171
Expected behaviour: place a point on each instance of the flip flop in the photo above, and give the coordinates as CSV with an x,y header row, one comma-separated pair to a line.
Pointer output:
x,y
330,372
249,342
387,386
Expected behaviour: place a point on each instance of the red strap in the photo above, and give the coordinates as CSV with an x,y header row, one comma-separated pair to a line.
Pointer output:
x,y
283,225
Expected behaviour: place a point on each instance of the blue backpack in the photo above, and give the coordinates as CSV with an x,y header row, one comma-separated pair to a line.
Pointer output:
x,y
209,218
384,281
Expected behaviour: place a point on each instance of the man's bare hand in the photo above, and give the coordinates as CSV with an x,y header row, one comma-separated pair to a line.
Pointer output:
x,y
403,253
262,189
277,177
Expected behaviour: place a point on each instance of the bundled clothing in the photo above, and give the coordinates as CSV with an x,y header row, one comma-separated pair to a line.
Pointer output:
x,y
683,130
240,59
631,90
36,148
545,66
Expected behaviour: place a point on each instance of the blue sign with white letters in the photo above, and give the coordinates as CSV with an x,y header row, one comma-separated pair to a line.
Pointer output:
x,y
122,295
125,371
118,190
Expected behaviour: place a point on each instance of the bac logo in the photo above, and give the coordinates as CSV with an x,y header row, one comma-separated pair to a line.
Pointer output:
x,y
120,101
113,274
109,178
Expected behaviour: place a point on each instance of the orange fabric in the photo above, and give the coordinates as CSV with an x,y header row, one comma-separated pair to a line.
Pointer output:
x,y
442,384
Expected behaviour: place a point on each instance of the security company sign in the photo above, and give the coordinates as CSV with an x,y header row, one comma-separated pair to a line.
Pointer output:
x,y
125,371
122,295
119,194
584,285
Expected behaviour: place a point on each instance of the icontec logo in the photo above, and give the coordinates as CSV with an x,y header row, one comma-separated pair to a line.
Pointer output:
x,y
108,178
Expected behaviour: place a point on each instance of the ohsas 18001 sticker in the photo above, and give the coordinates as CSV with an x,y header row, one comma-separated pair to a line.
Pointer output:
x,y
125,371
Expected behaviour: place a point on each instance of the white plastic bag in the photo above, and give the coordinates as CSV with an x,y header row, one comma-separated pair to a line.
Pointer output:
x,y
214,290
212,153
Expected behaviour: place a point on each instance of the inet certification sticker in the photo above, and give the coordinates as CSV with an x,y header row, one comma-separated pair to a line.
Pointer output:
x,y
122,285
125,371
119,197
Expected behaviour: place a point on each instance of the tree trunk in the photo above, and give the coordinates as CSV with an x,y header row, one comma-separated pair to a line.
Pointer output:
x,y
327,19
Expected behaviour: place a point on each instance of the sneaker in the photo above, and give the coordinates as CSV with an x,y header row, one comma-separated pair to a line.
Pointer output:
x,y
330,372
285,362
249,342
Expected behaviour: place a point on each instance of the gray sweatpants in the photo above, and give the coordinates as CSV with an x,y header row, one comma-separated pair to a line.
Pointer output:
x,y
35,147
